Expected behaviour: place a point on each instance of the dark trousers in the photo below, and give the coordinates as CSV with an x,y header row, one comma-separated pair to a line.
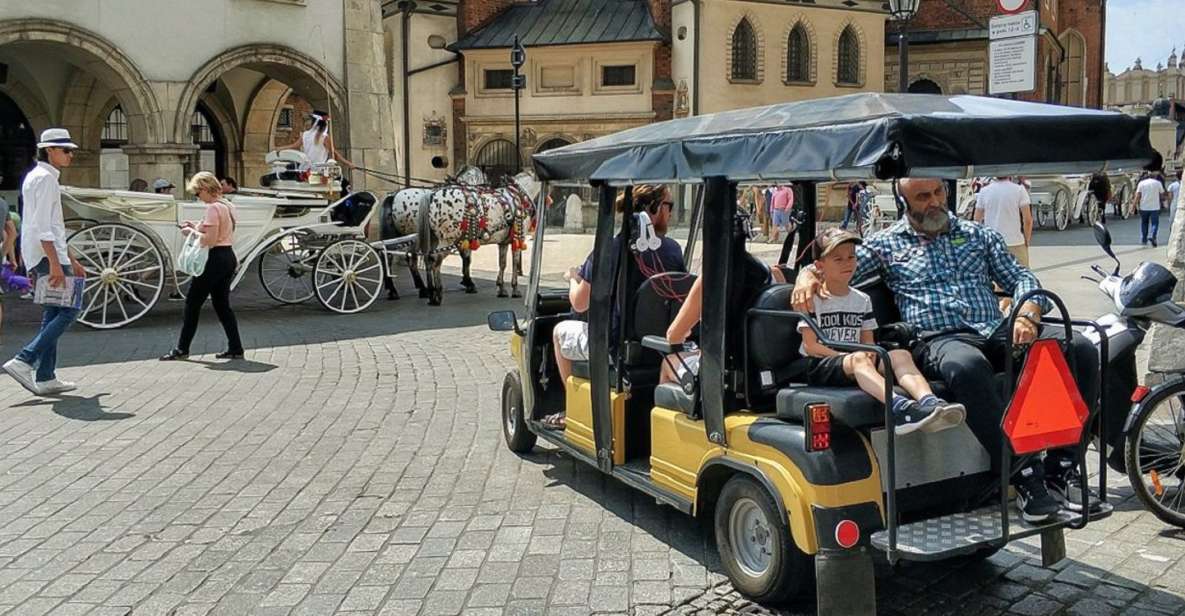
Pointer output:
x,y
1149,225
214,284
967,363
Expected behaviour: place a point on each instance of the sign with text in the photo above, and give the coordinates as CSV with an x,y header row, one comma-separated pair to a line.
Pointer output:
x,y
1012,65
1008,26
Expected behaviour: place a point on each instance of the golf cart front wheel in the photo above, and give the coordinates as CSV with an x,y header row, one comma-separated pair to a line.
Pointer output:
x,y
519,437
755,545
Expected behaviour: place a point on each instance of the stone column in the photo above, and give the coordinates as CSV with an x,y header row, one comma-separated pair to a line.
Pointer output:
x,y
161,160
371,126
1169,342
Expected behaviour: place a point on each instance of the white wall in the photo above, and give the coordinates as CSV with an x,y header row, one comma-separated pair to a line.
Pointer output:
x,y
170,39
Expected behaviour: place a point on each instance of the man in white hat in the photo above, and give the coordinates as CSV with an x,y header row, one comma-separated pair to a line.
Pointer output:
x,y
43,248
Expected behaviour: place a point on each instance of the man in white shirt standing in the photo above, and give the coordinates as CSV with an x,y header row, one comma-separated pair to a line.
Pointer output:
x,y
1174,195
1150,193
43,248
1004,206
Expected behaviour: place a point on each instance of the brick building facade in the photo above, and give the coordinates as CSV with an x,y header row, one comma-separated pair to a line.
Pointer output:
x,y
949,50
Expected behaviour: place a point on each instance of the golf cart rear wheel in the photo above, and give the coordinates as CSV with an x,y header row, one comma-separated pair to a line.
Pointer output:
x,y
519,437
755,545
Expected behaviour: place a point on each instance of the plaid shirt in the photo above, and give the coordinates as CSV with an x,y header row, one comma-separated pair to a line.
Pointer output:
x,y
945,284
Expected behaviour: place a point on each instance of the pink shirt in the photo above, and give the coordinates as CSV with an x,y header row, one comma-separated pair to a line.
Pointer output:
x,y
783,198
218,226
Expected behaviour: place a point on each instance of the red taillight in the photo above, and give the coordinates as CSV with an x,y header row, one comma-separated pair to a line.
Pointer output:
x,y
1140,393
847,534
818,427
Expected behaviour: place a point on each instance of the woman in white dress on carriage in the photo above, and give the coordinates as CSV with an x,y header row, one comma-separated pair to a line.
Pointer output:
x,y
317,142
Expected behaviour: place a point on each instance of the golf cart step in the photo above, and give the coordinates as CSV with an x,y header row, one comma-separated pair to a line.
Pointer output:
x,y
964,533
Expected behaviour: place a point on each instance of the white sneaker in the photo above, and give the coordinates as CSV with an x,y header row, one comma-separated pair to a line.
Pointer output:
x,y
22,372
54,386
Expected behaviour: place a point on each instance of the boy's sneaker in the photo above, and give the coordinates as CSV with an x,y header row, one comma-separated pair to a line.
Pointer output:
x,y
948,414
54,386
23,373
1065,483
912,418
1033,500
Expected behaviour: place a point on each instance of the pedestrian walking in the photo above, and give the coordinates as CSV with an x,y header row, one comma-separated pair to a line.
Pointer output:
x,y
1174,195
1004,205
783,204
217,231
44,250
1150,194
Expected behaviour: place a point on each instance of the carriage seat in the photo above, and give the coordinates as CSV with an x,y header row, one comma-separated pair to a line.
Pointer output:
x,y
652,315
352,210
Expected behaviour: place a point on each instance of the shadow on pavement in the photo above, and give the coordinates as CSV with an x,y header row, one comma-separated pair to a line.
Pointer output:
x,y
245,366
80,408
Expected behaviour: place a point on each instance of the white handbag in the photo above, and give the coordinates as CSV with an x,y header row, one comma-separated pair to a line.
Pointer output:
x,y
192,258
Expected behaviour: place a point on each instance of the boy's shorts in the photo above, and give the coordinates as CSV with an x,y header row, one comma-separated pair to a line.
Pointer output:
x,y
826,372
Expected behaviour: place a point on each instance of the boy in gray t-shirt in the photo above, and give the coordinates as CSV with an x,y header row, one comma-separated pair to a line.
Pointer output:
x,y
844,314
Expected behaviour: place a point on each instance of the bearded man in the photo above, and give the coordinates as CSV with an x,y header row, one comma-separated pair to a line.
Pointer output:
x,y
940,270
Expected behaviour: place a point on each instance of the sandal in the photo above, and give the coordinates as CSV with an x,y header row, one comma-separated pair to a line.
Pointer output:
x,y
174,355
554,422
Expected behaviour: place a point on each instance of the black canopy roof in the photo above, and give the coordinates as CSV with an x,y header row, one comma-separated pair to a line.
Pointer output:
x,y
862,136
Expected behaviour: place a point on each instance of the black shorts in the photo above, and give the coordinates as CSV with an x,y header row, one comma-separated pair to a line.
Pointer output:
x,y
826,372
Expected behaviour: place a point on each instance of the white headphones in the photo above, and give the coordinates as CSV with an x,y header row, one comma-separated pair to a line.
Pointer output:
x,y
647,238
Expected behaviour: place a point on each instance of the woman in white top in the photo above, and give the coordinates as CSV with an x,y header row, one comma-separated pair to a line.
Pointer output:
x,y
317,142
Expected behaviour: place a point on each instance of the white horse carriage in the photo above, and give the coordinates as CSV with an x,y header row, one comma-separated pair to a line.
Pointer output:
x,y
307,243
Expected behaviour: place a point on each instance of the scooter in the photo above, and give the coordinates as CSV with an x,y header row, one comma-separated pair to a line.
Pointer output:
x,y
1148,441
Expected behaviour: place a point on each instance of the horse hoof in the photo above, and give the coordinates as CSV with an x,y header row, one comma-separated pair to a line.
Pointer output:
x,y
424,294
392,296
501,293
433,302
516,294
470,290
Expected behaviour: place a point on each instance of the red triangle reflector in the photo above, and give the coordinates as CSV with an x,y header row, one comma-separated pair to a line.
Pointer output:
x,y
1047,411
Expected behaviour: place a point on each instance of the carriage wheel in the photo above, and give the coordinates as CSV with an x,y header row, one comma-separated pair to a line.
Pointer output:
x,y
1090,210
967,209
872,220
1061,209
125,274
348,276
286,269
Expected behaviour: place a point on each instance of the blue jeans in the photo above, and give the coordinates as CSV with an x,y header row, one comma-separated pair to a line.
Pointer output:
x,y
1147,217
42,351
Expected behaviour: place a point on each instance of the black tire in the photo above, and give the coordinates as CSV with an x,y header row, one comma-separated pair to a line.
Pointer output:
x,y
519,437
1155,456
788,573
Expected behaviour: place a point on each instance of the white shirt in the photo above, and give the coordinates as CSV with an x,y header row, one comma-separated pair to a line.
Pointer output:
x,y
1001,202
1175,191
313,147
42,220
1150,191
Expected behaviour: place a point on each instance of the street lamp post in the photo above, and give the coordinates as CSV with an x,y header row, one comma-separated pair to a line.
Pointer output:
x,y
902,11
518,57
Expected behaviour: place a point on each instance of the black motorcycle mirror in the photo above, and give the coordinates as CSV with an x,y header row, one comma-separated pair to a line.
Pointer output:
x,y
1103,236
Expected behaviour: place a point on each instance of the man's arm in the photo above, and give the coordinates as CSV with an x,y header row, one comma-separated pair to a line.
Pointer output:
x,y
1026,223
1009,274
689,314
579,292
979,215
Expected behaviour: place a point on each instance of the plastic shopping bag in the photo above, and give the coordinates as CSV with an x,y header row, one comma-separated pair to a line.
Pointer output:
x,y
192,258
68,295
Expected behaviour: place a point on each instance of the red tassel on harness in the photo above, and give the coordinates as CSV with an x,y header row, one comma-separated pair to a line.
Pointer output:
x,y
474,244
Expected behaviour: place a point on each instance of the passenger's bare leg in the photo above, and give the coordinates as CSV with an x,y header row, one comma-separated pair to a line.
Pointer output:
x,y
563,364
908,376
862,367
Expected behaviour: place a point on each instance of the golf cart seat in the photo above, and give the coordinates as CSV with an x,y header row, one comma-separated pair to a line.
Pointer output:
x,y
849,405
671,396
656,303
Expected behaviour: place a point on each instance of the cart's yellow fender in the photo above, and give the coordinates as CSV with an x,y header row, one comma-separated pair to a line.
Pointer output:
x,y
681,451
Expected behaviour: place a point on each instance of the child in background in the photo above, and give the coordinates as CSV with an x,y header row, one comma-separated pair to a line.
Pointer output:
x,y
845,314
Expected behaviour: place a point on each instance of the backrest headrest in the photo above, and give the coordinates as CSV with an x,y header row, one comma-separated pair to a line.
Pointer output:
x,y
884,307
658,300
773,341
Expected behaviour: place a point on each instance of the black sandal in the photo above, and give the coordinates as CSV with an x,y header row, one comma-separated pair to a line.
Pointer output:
x,y
555,421
174,355
230,355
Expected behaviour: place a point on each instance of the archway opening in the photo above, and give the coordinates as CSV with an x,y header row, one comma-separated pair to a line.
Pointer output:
x,y
498,159
925,86
18,147
207,135
560,194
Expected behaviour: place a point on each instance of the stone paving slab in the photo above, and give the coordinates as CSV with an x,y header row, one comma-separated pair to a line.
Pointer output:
x,y
354,464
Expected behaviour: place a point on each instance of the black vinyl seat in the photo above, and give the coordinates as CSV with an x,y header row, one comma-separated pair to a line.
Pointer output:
x,y
849,405
671,396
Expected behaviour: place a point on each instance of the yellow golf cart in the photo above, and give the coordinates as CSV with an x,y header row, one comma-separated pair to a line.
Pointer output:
x,y
803,484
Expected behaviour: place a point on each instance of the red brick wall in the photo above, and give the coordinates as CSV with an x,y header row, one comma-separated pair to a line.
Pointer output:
x,y
937,15
660,10
1086,16
473,14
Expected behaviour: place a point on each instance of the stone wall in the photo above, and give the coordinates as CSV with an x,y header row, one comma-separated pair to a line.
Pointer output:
x,y
957,68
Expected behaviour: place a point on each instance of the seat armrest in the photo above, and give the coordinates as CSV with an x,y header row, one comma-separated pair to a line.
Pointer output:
x,y
896,336
658,343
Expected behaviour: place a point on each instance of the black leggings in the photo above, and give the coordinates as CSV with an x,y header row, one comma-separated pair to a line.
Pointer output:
x,y
214,283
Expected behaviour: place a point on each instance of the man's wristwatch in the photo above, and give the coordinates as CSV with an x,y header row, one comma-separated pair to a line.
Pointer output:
x,y
1031,317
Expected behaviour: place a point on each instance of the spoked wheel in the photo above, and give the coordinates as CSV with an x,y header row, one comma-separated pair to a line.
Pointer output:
x,y
125,274
1090,210
966,209
871,220
348,276
286,268
1061,209
756,548
1155,455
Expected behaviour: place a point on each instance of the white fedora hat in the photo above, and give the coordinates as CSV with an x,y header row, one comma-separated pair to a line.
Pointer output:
x,y
56,138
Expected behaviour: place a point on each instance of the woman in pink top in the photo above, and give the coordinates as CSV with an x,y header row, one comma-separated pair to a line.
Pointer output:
x,y
218,233
783,203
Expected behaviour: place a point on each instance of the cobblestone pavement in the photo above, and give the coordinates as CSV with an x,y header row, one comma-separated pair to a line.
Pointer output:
x,y
355,465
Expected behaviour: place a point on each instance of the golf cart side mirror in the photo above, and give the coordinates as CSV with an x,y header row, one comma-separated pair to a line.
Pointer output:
x,y
1103,236
503,321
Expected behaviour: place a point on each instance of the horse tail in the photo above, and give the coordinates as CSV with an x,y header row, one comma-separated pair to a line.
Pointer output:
x,y
424,224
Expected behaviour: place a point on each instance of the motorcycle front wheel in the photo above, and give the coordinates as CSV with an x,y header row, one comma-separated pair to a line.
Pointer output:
x,y
1155,454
